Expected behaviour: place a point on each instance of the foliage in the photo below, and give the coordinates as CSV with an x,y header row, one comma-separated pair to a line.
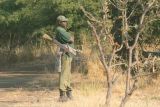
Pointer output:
x,y
22,22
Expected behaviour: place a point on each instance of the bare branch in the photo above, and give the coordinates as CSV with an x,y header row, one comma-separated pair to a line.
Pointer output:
x,y
90,16
115,78
150,4
134,63
119,64
133,88
116,6
130,92
153,64
99,46
117,50
133,10
126,43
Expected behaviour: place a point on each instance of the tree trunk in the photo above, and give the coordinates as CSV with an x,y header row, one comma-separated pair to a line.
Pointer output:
x,y
127,91
109,94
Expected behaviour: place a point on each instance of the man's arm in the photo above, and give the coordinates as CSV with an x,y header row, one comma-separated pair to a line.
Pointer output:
x,y
63,46
64,36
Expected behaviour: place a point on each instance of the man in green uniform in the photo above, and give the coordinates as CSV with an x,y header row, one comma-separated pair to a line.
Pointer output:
x,y
64,37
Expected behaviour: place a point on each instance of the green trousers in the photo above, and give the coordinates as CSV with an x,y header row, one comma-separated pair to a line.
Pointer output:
x,y
65,74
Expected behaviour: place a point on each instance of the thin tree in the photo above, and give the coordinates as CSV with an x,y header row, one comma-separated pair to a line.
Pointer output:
x,y
101,28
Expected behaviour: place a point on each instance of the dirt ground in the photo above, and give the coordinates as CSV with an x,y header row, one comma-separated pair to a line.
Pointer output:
x,y
21,98
31,88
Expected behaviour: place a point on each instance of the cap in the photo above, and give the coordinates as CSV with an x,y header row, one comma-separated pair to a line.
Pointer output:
x,y
62,18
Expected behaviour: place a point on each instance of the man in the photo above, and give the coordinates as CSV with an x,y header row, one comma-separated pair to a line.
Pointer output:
x,y
64,37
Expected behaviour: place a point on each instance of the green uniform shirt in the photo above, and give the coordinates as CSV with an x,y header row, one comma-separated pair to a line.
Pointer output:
x,y
63,36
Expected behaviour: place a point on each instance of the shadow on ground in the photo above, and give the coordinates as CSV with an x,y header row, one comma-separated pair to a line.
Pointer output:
x,y
29,82
36,75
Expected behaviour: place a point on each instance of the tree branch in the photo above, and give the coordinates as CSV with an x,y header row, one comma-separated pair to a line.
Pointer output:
x,y
150,4
90,16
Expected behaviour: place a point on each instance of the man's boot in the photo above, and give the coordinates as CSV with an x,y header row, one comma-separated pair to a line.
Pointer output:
x,y
69,94
63,97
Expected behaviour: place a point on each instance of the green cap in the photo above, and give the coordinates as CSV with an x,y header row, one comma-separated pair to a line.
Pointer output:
x,y
62,18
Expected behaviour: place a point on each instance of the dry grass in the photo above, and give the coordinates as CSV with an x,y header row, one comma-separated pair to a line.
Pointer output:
x,y
94,66
86,93
152,47
89,91
25,53
95,70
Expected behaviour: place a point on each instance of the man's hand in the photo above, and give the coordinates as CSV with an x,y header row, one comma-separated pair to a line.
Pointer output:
x,y
47,37
71,40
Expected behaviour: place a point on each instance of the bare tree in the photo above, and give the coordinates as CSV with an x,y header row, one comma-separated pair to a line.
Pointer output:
x,y
101,28
130,87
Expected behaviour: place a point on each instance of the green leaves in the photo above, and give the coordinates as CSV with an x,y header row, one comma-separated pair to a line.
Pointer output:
x,y
22,18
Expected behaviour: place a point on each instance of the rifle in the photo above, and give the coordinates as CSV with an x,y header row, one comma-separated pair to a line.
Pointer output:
x,y
66,47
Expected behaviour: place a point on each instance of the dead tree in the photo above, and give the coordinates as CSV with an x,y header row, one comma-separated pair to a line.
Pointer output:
x,y
131,84
101,28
